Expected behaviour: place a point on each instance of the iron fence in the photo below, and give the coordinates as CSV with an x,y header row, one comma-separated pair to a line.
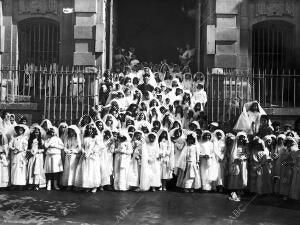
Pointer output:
x,y
66,93
228,91
63,94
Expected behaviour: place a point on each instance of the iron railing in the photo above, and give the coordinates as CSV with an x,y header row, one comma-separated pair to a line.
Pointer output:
x,y
229,91
64,94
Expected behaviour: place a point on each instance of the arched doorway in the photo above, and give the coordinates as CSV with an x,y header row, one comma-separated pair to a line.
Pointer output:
x,y
38,41
273,46
273,63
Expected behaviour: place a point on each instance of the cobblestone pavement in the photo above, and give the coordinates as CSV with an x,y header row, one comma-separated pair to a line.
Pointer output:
x,y
171,208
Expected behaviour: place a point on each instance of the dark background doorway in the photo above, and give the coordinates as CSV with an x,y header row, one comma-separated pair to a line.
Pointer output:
x,y
273,46
154,27
38,41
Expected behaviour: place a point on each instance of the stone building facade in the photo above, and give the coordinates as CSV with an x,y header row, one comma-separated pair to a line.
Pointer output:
x,y
246,34
233,34
80,32
66,32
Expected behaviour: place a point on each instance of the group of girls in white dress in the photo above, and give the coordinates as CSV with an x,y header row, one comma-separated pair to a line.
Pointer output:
x,y
151,134
93,157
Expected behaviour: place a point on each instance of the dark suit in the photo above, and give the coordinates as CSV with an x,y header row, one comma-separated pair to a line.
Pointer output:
x,y
144,88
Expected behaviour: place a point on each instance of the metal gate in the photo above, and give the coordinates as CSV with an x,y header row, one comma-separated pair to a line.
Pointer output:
x,y
69,94
38,41
228,91
62,94
273,50
273,46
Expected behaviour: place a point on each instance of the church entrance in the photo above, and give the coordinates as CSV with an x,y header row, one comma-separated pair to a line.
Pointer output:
x,y
154,28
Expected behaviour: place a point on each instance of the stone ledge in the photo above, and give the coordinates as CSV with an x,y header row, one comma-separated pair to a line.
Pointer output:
x,y
283,111
19,106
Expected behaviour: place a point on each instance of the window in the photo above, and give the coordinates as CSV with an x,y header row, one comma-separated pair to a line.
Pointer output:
x,y
273,46
38,41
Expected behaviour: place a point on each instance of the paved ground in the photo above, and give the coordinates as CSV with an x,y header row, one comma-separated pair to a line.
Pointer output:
x,y
171,208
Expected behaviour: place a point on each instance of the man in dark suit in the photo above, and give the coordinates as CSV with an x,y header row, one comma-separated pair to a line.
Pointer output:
x,y
145,87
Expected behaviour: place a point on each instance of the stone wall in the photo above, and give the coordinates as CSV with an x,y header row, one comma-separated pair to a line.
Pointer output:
x,y
31,111
227,29
89,32
297,18
227,34
15,11
283,115
253,12
82,36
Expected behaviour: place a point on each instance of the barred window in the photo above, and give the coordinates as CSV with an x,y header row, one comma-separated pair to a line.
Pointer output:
x,y
38,41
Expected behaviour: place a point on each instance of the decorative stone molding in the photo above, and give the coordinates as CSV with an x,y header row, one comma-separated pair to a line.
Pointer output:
x,y
275,8
38,7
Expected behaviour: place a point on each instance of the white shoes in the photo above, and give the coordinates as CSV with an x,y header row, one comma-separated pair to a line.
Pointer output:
x,y
49,185
234,197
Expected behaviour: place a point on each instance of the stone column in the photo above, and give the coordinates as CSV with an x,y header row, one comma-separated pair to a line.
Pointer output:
x,y
88,32
9,35
100,42
245,44
1,33
111,38
297,47
208,27
198,34
227,34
